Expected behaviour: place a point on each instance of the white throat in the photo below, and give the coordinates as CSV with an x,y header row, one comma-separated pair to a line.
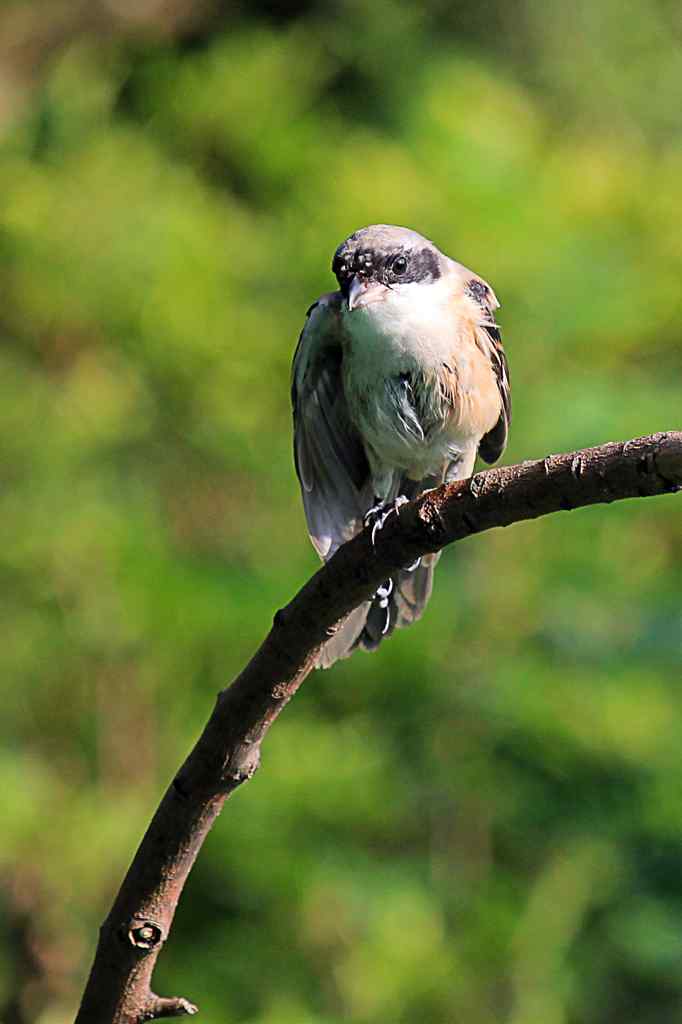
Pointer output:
x,y
411,325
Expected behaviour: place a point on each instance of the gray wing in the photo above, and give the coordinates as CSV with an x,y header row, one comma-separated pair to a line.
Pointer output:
x,y
330,458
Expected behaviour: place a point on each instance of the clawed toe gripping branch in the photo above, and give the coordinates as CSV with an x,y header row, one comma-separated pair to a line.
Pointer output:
x,y
227,753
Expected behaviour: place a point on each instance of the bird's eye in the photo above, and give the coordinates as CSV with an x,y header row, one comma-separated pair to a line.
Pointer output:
x,y
399,265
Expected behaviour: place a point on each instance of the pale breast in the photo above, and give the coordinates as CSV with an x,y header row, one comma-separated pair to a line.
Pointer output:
x,y
418,387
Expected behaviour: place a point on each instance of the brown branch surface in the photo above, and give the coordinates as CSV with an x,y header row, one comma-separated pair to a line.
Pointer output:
x,y
227,753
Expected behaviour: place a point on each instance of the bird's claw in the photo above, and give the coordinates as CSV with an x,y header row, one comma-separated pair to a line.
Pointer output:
x,y
379,513
384,592
376,518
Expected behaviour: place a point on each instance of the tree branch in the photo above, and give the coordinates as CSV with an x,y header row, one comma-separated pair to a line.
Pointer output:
x,y
227,753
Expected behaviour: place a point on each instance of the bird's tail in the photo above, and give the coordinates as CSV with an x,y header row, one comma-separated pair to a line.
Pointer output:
x,y
374,620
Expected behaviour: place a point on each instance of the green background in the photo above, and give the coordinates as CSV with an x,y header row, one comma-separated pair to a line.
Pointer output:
x,y
482,822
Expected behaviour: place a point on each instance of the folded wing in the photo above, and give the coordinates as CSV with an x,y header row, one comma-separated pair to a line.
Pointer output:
x,y
330,459
489,341
495,441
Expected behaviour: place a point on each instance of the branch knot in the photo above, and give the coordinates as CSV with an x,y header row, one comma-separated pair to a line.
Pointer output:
x,y
145,935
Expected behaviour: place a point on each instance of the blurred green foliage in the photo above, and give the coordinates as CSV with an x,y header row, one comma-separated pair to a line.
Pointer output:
x,y
483,821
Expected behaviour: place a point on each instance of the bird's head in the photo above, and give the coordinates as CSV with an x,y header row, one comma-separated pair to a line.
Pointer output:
x,y
382,260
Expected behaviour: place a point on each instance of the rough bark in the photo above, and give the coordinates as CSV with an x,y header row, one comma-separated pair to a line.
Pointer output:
x,y
227,753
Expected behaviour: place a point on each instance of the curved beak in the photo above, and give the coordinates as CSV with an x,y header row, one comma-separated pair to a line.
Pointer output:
x,y
362,293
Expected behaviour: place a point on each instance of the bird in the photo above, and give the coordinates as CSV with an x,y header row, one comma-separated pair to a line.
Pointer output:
x,y
399,381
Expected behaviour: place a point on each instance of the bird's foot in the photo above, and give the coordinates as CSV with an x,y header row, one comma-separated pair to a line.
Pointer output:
x,y
377,515
383,593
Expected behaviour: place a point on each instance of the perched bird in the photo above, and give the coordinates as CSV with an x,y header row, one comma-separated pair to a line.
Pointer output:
x,y
398,381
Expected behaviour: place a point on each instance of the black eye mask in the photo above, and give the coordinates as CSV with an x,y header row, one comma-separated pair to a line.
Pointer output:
x,y
402,267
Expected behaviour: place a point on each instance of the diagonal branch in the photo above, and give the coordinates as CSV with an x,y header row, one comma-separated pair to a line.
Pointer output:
x,y
227,753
